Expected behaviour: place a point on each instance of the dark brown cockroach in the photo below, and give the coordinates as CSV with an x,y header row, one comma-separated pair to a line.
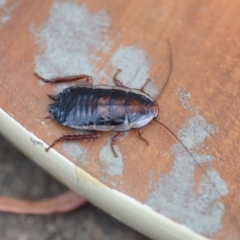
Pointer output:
x,y
103,108
100,108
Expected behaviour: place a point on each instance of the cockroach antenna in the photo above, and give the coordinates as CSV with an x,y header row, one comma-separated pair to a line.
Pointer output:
x,y
170,69
170,131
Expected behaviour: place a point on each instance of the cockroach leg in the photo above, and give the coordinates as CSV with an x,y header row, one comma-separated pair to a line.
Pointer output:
x,y
141,137
67,79
74,137
117,82
145,84
114,139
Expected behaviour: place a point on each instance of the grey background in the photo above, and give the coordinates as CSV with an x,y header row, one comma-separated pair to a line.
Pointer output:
x,y
20,177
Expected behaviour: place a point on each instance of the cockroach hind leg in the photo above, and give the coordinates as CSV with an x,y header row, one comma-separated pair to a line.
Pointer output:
x,y
142,138
116,80
114,151
114,139
47,149
74,137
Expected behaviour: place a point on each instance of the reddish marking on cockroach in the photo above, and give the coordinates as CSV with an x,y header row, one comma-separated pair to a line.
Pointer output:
x,y
103,112
103,100
134,105
120,110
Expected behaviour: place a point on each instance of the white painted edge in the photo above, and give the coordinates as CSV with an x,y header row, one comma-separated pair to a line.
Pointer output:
x,y
126,209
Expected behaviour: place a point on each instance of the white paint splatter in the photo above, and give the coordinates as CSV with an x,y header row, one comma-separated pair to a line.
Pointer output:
x,y
114,184
175,195
135,68
195,131
104,179
150,180
183,98
70,40
5,12
111,165
77,153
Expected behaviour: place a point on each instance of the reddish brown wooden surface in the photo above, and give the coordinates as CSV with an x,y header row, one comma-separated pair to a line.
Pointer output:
x,y
205,44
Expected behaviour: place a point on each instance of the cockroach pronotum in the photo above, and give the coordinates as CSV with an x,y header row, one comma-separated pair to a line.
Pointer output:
x,y
103,108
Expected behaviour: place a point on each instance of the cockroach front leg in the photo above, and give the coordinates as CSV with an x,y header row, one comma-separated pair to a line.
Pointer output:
x,y
145,84
116,80
67,79
74,137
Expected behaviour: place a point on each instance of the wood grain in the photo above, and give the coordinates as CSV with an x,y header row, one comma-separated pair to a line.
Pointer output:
x,y
204,85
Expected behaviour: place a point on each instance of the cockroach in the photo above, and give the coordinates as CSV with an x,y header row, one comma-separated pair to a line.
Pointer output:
x,y
100,108
103,108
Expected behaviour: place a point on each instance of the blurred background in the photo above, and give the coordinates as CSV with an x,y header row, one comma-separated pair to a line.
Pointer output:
x,y
21,178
